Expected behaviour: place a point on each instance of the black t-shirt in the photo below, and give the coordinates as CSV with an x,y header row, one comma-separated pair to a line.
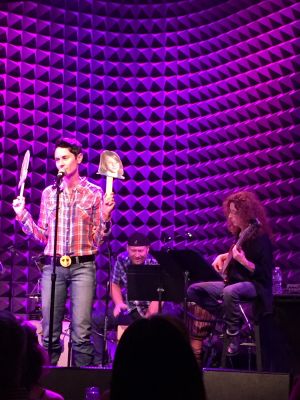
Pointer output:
x,y
259,251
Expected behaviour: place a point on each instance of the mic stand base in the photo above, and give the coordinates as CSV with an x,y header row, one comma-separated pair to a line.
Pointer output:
x,y
105,359
185,301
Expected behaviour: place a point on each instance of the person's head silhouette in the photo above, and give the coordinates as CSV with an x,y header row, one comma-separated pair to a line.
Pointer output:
x,y
157,354
12,351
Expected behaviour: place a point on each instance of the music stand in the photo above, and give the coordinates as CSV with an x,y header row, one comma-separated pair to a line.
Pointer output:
x,y
188,263
192,261
153,283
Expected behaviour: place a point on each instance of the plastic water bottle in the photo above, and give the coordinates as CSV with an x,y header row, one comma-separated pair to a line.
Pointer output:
x,y
277,280
92,393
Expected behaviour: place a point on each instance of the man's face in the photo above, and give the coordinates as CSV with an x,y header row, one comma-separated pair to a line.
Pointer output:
x,y
137,254
67,161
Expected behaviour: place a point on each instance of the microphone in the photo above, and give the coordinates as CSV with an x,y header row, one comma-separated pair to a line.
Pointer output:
x,y
189,236
169,238
61,173
14,250
38,257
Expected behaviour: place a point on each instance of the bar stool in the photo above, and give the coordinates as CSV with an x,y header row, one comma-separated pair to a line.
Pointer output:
x,y
253,342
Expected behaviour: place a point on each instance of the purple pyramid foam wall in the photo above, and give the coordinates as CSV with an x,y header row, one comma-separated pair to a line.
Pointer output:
x,y
198,98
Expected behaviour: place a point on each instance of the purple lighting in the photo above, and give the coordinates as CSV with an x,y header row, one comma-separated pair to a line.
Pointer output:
x,y
198,100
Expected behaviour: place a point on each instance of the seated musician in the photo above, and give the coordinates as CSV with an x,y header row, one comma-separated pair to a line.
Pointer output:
x,y
246,268
124,312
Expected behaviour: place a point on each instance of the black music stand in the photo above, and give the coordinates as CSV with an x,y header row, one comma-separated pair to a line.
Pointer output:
x,y
198,268
154,283
190,265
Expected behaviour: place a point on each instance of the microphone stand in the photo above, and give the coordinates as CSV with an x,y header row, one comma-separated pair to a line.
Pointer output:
x,y
13,252
53,275
185,300
160,292
104,360
69,362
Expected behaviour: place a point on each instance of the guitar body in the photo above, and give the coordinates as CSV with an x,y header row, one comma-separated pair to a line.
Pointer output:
x,y
247,233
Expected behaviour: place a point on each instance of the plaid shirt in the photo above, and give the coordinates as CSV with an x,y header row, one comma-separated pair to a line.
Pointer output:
x,y
119,277
80,223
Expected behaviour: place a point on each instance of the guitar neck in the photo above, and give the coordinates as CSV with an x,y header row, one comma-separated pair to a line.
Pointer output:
x,y
229,258
227,262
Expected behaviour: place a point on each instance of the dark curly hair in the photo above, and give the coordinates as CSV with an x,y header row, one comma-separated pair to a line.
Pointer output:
x,y
68,143
249,208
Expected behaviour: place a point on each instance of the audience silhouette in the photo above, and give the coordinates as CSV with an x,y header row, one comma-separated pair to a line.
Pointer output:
x,y
154,360
35,358
21,361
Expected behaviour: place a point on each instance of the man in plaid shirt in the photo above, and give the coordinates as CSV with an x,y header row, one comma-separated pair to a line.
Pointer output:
x,y
124,311
83,221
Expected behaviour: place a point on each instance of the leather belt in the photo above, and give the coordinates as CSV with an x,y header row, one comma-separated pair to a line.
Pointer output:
x,y
74,260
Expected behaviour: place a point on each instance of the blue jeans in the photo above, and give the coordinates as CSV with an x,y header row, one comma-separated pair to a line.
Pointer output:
x,y
220,300
81,279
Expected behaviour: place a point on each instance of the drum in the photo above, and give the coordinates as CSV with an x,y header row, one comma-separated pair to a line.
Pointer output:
x,y
200,322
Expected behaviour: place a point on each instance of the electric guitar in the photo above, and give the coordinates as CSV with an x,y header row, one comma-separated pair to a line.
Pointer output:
x,y
247,233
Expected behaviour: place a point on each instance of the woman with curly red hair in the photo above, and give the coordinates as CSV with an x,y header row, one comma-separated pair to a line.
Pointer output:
x,y
245,270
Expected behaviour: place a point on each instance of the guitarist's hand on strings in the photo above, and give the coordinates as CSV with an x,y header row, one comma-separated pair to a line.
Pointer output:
x,y
219,261
240,257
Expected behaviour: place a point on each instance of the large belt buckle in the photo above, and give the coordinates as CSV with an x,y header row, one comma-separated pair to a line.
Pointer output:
x,y
65,261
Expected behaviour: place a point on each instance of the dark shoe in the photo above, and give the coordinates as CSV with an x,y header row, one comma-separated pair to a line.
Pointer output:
x,y
220,328
234,344
210,341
